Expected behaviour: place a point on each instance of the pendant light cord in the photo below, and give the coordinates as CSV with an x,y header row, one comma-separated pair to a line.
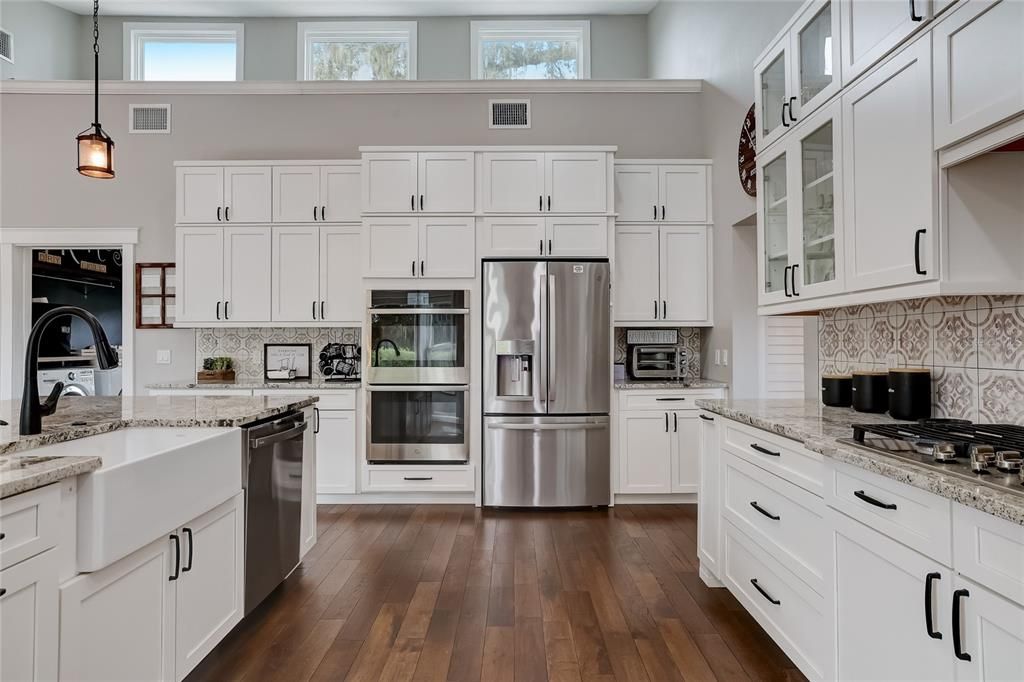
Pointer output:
x,y
96,60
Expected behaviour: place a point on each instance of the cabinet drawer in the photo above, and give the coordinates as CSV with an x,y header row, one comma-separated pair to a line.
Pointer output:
x,y
665,400
789,611
917,518
419,478
786,520
28,524
989,551
777,454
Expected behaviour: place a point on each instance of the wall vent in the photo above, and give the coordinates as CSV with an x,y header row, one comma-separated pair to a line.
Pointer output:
x,y
6,46
149,118
509,113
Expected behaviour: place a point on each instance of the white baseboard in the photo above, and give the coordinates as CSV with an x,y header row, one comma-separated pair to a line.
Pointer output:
x,y
668,498
396,498
709,579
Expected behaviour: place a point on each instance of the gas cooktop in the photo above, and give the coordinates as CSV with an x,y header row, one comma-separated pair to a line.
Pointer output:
x,y
986,453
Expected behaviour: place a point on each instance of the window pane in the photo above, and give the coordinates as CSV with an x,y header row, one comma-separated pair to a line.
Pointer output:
x,y
359,61
529,59
183,60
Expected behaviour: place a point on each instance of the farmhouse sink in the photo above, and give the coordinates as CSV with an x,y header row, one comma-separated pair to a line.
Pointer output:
x,y
152,481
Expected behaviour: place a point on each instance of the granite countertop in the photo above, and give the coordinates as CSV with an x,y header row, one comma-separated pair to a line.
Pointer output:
x,y
314,385
655,384
819,428
82,417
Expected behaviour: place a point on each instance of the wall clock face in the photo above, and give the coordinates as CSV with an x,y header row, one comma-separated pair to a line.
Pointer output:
x,y
746,155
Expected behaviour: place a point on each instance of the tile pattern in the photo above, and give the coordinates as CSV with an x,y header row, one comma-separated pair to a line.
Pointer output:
x,y
245,345
689,340
974,346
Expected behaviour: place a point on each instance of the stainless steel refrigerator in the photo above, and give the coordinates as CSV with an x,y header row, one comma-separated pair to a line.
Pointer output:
x,y
546,383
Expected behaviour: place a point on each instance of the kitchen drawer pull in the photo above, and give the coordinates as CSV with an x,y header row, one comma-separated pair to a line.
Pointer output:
x,y
785,123
765,451
670,400
860,494
417,478
917,252
188,532
958,647
706,418
928,626
316,420
753,581
177,558
914,16
764,511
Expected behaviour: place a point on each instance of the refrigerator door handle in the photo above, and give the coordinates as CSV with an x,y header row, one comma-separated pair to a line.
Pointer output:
x,y
547,427
552,355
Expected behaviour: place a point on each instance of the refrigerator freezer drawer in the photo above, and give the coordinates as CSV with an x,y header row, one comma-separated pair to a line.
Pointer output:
x,y
546,462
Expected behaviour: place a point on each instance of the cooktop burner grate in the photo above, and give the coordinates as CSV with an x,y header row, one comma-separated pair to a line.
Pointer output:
x,y
962,434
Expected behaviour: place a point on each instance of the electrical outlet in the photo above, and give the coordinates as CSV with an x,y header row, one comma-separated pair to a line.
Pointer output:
x,y
725,357
718,357
163,357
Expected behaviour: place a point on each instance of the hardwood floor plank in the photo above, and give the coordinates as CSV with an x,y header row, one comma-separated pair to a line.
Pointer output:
x,y
438,645
530,658
499,654
467,653
374,653
685,652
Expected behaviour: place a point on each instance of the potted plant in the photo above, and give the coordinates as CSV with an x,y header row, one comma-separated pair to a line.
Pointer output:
x,y
218,370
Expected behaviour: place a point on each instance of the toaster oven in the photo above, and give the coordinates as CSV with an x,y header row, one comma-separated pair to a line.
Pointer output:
x,y
657,361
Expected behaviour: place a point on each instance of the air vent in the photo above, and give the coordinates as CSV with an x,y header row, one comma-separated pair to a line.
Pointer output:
x,y
6,46
509,113
149,118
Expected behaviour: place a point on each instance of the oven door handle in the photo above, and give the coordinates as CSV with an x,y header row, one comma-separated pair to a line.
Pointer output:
x,y
425,388
294,432
419,311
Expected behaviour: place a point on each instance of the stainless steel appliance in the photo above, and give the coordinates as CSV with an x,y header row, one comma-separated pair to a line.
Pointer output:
x,y
272,480
417,337
417,423
546,381
655,354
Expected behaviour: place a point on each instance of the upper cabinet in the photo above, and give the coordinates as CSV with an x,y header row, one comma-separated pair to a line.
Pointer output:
x,y
533,236
649,191
222,274
311,194
418,182
545,182
576,182
316,274
408,247
873,28
210,194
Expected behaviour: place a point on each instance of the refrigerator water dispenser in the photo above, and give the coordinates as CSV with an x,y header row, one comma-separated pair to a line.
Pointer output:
x,y
515,368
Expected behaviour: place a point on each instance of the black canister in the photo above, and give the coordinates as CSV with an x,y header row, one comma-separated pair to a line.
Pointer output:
x,y
870,391
836,390
910,393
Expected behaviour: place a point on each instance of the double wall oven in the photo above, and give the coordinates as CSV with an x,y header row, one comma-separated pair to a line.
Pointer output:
x,y
417,373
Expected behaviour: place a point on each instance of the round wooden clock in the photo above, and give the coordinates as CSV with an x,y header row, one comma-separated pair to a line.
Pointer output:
x,y
747,153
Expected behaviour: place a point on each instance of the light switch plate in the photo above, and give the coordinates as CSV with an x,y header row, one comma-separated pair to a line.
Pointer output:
x,y
718,356
163,357
725,357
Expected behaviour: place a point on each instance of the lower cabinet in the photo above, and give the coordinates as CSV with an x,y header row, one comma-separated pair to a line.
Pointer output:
x,y
29,619
991,642
709,518
659,452
156,613
335,451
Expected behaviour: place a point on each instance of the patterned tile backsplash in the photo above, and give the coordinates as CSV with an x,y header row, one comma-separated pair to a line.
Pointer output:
x,y
689,340
973,344
245,345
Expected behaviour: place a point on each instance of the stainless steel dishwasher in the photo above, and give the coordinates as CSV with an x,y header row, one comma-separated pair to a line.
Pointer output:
x,y
272,479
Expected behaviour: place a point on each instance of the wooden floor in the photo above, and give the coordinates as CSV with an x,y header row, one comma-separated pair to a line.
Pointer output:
x,y
457,593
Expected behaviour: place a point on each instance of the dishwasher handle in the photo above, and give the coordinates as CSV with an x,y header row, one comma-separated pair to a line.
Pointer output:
x,y
294,432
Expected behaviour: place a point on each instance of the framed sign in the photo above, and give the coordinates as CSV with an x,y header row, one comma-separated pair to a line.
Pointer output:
x,y
287,361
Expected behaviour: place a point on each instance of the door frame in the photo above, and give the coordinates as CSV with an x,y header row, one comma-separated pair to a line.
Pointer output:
x,y
16,245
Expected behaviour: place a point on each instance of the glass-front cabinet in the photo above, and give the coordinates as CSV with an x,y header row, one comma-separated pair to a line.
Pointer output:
x,y
772,87
773,220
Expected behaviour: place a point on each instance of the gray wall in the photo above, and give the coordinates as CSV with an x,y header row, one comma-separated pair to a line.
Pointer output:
x,y
718,41
618,45
40,186
47,41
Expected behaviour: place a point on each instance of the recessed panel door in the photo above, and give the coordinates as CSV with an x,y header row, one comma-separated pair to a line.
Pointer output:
x,y
389,183
637,292
684,194
636,193
513,182
341,275
872,29
391,247
340,194
685,274
200,194
295,273
200,272
247,279
296,194
575,182
247,191
446,182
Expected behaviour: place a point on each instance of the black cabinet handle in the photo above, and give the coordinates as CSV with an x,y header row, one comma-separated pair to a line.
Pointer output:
x,y
670,400
218,310
3,535
414,268
323,213
227,213
549,202
675,422
655,309
314,310
218,214
663,211
188,532
316,420
540,202
550,250
706,418
785,123
666,422
792,278
785,280
541,247
664,310
958,647
226,316
870,500
421,202
765,451
3,591
418,478
917,252
914,16
314,213
773,517
792,101
177,557
321,310
655,211
928,627
753,581
412,202
422,267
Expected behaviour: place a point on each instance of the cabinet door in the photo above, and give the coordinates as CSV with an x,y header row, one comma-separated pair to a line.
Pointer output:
x,y
513,182
774,217
513,237
341,276
880,608
576,182
295,285
979,68
685,452
247,194
645,448
870,30
118,623
708,520
637,293
307,524
340,191
446,182
246,264
210,592
685,274
389,183
296,194
889,224
636,193
199,194
992,634
577,237
200,272
336,452
815,57
683,191
29,619
772,88
390,247
447,247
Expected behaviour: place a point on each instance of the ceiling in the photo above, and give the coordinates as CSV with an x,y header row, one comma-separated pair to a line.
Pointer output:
x,y
355,8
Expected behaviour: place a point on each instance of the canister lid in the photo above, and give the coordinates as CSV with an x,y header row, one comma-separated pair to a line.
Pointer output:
x,y
870,373
836,376
909,370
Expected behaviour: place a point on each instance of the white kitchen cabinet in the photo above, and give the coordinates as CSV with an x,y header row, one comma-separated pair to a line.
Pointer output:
x,y
545,182
576,182
637,283
307,523
419,247
340,191
424,182
773,83
29,619
223,274
636,192
199,196
882,595
513,182
295,274
991,634
335,435
890,227
341,290
683,193
978,68
708,495
685,453
645,452
871,30
513,237
666,192
247,194
577,237
296,194
200,274
247,260
390,247
389,182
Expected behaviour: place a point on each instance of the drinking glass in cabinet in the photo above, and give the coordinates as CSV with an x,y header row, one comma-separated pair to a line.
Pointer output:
x,y
816,55
818,215
776,244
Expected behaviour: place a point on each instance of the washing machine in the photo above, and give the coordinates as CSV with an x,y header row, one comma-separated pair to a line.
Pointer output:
x,y
77,381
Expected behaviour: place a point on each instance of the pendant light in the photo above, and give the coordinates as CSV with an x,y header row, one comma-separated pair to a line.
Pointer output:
x,y
95,148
